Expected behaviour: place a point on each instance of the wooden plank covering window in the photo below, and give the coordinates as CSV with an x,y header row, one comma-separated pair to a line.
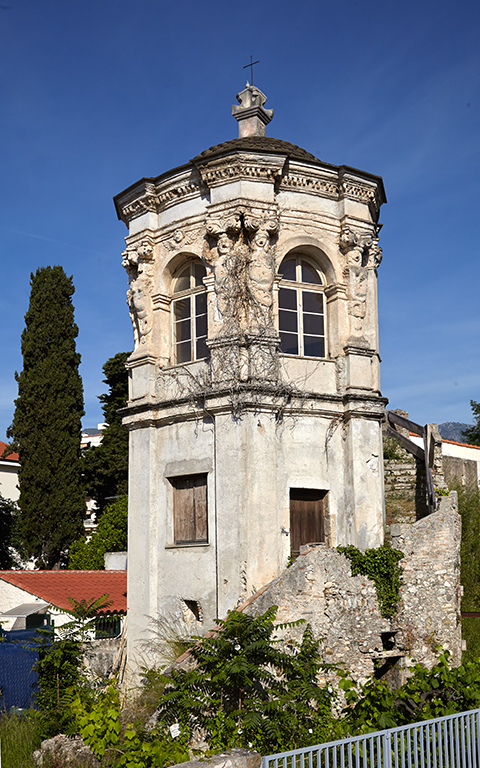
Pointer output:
x,y
190,509
306,517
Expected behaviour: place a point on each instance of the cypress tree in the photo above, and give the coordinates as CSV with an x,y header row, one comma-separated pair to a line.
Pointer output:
x,y
105,466
46,427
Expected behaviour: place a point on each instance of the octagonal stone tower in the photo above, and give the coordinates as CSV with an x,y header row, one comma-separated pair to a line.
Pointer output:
x,y
255,408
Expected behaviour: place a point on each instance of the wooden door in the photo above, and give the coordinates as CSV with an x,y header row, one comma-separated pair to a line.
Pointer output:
x,y
306,517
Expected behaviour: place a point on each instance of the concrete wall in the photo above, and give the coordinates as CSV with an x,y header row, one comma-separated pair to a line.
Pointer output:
x,y
461,463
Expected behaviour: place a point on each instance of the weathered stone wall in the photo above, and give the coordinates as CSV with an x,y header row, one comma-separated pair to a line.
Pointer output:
x,y
460,470
343,610
400,473
100,655
429,612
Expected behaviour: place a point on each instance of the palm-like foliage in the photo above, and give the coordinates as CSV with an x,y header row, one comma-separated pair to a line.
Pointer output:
x,y
247,689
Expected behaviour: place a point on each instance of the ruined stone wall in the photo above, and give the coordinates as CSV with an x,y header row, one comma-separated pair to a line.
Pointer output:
x,y
429,611
343,610
400,473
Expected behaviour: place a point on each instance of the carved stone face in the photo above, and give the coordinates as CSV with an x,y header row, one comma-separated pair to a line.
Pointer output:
x,y
261,238
223,244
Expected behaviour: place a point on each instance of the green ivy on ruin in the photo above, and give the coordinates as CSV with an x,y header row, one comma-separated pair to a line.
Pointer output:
x,y
381,566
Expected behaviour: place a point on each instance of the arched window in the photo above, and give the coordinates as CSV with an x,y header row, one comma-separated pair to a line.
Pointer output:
x,y
301,308
189,307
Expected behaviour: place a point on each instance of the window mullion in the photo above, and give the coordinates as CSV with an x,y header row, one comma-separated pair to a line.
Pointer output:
x,y
300,321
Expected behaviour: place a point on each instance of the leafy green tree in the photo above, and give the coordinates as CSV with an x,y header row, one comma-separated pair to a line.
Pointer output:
x,y
105,467
46,427
111,536
248,690
472,434
8,512
60,668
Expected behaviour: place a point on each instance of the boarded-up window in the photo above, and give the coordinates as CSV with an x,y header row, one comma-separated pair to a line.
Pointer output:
x,y
306,517
190,509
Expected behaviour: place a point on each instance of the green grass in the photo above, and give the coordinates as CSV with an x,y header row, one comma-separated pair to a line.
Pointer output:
x,y
20,737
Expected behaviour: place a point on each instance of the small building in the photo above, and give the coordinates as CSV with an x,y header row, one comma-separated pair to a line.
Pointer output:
x,y
9,468
30,599
255,407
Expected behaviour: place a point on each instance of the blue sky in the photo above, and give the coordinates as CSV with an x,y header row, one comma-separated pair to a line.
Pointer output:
x,y
99,93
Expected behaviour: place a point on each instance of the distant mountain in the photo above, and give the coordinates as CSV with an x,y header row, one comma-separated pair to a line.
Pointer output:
x,y
452,430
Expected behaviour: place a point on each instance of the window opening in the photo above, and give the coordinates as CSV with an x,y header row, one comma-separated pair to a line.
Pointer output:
x,y
190,524
301,311
107,626
190,314
194,610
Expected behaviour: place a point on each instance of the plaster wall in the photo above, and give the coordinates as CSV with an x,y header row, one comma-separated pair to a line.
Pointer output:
x,y
12,596
9,479
251,463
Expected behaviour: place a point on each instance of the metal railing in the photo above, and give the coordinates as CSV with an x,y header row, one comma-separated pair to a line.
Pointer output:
x,y
446,742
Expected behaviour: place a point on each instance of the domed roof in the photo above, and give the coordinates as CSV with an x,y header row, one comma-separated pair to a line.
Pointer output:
x,y
257,144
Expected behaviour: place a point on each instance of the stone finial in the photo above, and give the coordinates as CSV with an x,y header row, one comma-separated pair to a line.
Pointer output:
x,y
251,115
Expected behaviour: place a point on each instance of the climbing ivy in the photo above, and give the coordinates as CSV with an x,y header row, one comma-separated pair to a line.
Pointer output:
x,y
381,566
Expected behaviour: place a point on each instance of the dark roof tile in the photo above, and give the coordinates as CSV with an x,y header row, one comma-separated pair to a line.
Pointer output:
x,y
257,144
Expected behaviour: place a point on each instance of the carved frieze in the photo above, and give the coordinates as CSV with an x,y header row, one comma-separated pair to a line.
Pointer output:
x,y
181,238
143,204
246,166
314,181
153,198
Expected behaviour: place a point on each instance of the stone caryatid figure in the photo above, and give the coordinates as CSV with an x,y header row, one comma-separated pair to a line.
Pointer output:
x,y
242,260
136,261
362,254
222,257
140,306
261,271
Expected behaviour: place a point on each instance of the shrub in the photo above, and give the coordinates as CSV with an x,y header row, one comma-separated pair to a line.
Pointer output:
x,y
111,536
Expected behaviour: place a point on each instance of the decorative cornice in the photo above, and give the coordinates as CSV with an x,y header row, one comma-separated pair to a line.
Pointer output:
x,y
241,166
363,190
312,182
153,197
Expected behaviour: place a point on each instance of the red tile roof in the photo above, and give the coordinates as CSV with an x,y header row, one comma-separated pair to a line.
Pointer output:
x,y
465,445
56,587
452,442
10,457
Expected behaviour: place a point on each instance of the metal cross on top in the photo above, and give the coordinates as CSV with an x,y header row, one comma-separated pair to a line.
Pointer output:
x,y
251,68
